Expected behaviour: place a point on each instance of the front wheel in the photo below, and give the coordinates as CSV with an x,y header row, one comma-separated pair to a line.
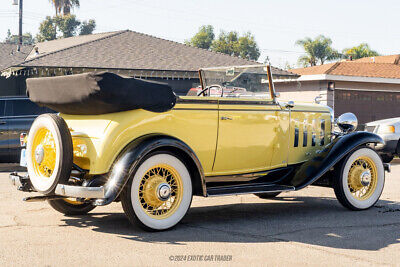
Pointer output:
x,y
360,179
159,193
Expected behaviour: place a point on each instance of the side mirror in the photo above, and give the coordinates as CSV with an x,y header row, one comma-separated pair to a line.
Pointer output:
x,y
289,104
347,122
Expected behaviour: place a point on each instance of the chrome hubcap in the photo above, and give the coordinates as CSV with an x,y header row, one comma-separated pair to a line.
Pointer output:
x,y
39,154
163,191
366,178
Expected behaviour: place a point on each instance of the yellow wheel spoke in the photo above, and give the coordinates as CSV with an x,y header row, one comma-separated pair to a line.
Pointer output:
x,y
362,168
150,201
44,144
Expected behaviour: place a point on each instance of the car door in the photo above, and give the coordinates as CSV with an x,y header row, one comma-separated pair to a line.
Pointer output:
x,y
250,133
20,114
4,142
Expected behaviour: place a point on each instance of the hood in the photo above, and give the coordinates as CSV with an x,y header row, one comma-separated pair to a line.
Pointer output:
x,y
390,121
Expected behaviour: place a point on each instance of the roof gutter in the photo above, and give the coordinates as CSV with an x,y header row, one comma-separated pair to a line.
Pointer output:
x,y
321,77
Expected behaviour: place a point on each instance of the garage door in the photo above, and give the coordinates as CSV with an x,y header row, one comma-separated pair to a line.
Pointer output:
x,y
367,105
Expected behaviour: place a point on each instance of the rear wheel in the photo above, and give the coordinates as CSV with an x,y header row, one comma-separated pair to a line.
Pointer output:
x,y
159,193
360,179
49,153
267,195
70,206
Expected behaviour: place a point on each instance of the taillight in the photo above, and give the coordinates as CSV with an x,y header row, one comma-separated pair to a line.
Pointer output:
x,y
22,139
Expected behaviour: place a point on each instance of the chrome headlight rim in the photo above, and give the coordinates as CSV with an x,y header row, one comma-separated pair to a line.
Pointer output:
x,y
347,122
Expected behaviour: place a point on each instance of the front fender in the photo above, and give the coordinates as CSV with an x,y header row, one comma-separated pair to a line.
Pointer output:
x,y
130,158
325,159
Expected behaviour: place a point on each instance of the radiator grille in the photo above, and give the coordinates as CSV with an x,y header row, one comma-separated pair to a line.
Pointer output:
x,y
370,129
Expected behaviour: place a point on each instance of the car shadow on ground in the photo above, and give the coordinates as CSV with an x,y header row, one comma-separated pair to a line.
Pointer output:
x,y
308,220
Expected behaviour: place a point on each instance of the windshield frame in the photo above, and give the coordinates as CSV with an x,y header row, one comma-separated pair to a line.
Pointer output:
x,y
271,87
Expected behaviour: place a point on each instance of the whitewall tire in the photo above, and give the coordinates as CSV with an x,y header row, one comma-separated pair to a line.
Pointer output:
x,y
360,179
159,193
49,153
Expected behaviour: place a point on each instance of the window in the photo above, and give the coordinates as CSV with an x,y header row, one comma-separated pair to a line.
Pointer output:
x,y
25,107
237,82
2,107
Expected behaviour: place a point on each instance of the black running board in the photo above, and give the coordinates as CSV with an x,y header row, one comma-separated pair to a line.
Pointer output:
x,y
247,189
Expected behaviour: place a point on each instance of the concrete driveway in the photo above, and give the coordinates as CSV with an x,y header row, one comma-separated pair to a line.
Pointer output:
x,y
308,227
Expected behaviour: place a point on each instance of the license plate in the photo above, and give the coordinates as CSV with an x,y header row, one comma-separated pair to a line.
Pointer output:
x,y
22,162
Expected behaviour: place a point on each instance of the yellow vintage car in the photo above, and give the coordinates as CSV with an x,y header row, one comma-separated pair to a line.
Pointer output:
x,y
134,141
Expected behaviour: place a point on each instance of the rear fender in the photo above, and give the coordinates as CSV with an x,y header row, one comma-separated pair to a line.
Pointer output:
x,y
327,158
131,157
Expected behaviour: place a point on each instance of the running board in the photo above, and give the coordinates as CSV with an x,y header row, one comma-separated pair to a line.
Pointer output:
x,y
247,189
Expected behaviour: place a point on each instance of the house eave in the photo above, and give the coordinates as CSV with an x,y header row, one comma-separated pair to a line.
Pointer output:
x,y
329,77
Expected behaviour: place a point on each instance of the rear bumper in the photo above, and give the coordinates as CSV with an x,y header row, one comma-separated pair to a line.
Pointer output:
x,y
15,179
23,184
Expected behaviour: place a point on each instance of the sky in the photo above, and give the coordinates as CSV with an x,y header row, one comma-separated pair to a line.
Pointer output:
x,y
276,25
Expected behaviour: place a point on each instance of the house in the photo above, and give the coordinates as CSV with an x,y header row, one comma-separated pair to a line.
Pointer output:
x,y
127,53
368,87
9,56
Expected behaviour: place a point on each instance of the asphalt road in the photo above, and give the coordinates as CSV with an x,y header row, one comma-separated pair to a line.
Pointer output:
x,y
308,227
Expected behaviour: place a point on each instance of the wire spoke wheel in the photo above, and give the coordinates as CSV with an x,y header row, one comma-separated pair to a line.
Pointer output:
x,y
49,153
362,178
160,191
158,194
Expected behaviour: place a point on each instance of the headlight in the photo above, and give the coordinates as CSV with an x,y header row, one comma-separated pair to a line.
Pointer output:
x,y
386,129
347,122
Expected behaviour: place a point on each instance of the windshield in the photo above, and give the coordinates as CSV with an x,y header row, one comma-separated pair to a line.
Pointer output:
x,y
241,82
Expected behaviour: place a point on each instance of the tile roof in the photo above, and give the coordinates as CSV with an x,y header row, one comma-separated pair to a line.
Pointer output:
x,y
9,55
393,59
358,68
320,69
130,50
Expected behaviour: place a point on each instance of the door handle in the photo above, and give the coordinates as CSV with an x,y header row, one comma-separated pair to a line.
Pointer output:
x,y
225,118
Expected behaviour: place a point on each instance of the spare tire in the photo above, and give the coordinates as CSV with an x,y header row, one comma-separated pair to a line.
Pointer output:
x,y
49,153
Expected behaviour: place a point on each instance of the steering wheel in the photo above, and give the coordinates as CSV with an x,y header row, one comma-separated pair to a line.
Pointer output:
x,y
203,92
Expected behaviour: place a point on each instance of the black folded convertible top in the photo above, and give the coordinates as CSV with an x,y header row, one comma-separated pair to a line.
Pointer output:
x,y
99,93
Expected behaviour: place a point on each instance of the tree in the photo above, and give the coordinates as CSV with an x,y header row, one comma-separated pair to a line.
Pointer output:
x,y
67,25
227,42
87,27
318,50
247,47
204,37
363,50
241,46
27,38
68,5
62,27
64,6
47,30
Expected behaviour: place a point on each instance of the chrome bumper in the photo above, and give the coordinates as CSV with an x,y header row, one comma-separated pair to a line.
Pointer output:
x,y
79,191
15,179
23,184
